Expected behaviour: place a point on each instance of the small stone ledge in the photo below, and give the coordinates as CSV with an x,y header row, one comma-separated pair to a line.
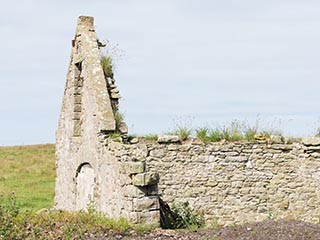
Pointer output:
x,y
168,139
311,141
145,179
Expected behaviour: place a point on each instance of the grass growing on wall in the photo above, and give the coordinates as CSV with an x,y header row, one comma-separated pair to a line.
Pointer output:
x,y
29,172
107,65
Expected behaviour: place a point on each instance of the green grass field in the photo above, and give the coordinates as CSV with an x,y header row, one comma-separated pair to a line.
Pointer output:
x,y
29,172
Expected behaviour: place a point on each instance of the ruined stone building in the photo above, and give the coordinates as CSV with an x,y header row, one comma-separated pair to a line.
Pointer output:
x,y
228,182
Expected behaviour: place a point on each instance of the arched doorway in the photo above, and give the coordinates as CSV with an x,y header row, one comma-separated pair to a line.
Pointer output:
x,y
84,186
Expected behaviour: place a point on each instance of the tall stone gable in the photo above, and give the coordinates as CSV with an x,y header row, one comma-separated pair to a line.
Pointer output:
x,y
88,175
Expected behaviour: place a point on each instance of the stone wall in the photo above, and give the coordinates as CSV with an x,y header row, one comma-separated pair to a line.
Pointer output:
x,y
228,182
236,182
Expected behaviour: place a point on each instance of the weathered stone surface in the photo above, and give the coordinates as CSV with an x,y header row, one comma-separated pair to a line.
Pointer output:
x,y
140,152
134,167
123,128
276,139
151,217
157,153
115,95
134,140
168,139
145,179
311,141
140,204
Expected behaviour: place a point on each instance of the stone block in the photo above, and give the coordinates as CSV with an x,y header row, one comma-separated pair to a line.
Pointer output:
x,y
134,192
140,151
114,90
278,139
311,141
115,95
168,139
146,203
134,167
145,179
76,116
134,140
123,128
77,128
157,153
77,99
152,217
77,108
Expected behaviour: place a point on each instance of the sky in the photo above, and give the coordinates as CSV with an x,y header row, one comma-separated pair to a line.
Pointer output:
x,y
179,62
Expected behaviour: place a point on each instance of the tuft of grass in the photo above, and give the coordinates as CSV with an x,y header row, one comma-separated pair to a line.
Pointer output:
x,y
215,135
233,131
202,134
183,132
107,65
250,133
114,136
151,137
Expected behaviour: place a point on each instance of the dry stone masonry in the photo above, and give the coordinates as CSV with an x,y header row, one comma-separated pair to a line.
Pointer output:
x,y
228,182
88,173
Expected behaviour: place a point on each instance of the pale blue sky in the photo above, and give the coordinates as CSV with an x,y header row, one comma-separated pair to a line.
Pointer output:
x,y
209,61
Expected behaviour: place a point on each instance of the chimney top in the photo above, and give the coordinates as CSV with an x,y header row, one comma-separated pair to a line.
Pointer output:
x,y
85,20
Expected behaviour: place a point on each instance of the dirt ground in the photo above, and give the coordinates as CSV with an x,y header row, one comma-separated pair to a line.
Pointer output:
x,y
267,230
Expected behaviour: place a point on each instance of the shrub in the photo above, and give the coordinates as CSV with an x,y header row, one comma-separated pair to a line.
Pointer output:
x,y
185,218
180,216
318,132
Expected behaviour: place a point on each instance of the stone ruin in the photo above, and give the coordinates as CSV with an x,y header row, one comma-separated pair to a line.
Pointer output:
x,y
228,182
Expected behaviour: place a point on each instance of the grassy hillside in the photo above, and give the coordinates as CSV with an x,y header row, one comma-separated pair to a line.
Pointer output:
x,y
29,172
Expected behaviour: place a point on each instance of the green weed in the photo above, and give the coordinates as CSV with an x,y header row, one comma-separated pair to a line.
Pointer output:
x,y
185,218
107,65
202,134
151,137
119,118
215,135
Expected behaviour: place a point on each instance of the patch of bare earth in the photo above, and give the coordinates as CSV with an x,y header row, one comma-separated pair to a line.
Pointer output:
x,y
267,230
